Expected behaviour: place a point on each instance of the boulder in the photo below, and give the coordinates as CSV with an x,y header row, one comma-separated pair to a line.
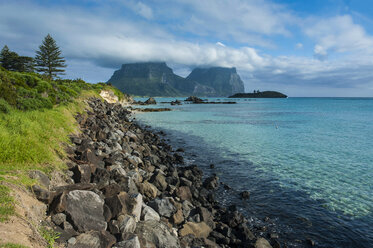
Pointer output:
x,y
43,195
82,173
199,230
132,242
93,239
148,213
178,217
86,211
118,204
211,182
136,205
262,243
153,233
184,193
159,180
149,190
41,177
126,224
245,195
206,216
59,218
163,206
151,100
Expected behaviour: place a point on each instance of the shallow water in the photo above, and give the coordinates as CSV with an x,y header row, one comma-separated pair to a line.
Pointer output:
x,y
308,162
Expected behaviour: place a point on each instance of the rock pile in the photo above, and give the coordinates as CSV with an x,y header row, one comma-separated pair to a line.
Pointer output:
x,y
128,189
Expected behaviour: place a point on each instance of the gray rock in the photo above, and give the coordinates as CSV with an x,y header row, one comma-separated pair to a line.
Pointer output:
x,y
136,206
126,223
59,218
86,210
187,207
262,243
93,239
132,242
41,177
82,173
156,233
163,206
149,214
159,180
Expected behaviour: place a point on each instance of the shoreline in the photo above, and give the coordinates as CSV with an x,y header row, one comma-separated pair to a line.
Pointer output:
x,y
136,192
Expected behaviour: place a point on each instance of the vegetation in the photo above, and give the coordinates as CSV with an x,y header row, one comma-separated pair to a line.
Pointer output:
x,y
10,245
13,62
6,203
48,58
36,117
49,235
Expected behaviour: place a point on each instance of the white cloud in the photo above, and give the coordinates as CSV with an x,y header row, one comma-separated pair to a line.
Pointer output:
x,y
220,44
338,34
144,10
299,46
93,43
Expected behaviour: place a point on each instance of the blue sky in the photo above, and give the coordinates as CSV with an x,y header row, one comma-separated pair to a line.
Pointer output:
x,y
302,48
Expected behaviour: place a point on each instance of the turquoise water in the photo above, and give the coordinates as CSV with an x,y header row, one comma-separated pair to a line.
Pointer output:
x,y
314,154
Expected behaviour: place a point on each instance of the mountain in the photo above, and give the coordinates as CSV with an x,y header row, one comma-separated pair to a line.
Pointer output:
x,y
225,81
264,94
157,79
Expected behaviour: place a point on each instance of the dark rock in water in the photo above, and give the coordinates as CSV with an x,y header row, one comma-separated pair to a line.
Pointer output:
x,y
194,99
233,219
150,101
212,166
264,94
211,182
41,177
245,195
176,102
85,209
310,242
94,239
178,158
152,109
153,233
180,150
244,233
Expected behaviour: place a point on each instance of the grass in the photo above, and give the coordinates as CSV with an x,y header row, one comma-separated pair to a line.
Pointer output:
x,y
11,245
49,235
6,203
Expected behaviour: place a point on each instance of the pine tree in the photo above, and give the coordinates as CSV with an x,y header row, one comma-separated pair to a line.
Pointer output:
x,y
12,61
48,59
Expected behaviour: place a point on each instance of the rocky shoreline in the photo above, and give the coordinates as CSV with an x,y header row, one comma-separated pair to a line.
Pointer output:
x,y
128,188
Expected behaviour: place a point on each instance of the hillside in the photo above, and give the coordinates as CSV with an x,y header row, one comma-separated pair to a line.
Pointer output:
x,y
225,81
157,79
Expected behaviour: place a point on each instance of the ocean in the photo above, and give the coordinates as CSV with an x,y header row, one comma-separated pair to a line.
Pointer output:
x,y
307,162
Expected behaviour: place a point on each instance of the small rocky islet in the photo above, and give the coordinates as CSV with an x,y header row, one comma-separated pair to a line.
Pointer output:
x,y
128,188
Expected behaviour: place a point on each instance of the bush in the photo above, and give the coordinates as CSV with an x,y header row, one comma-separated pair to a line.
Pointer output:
x,y
4,106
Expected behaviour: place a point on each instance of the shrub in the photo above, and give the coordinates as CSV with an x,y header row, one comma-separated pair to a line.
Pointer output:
x,y
4,106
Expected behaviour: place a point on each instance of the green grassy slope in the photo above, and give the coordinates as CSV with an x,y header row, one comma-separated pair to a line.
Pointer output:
x,y
36,117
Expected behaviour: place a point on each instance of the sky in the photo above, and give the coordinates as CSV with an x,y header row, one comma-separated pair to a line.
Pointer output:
x,y
298,47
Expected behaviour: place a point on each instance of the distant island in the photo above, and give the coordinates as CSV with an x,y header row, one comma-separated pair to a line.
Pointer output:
x,y
258,94
157,79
